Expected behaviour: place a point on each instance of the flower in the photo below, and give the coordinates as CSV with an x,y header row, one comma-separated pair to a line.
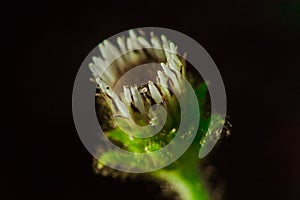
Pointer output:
x,y
133,109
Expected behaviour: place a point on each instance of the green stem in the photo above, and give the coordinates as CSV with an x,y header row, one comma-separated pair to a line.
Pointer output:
x,y
184,175
187,184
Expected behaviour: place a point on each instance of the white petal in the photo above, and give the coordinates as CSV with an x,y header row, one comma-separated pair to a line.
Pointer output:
x,y
144,42
129,44
154,92
99,62
172,76
108,52
157,47
120,105
155,42
112,49
148,47
121,43
173,48
141,32
174,57
103,51
133,44
98,72
94,70
162,79
132,34
165,42
175,67
138,101
127,95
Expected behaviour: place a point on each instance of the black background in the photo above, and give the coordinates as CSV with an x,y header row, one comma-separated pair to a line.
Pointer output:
x,y
255,45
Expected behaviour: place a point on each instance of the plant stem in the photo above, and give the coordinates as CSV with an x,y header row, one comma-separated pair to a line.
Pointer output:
x,y
184,176
187,184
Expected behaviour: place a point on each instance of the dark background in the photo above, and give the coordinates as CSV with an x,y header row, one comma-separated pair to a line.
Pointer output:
x,y
255,44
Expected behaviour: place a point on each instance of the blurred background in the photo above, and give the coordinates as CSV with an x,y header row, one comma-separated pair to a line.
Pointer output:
x,y
255,44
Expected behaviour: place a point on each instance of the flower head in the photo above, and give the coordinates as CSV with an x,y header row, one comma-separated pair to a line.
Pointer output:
x,y
150,108
141,112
